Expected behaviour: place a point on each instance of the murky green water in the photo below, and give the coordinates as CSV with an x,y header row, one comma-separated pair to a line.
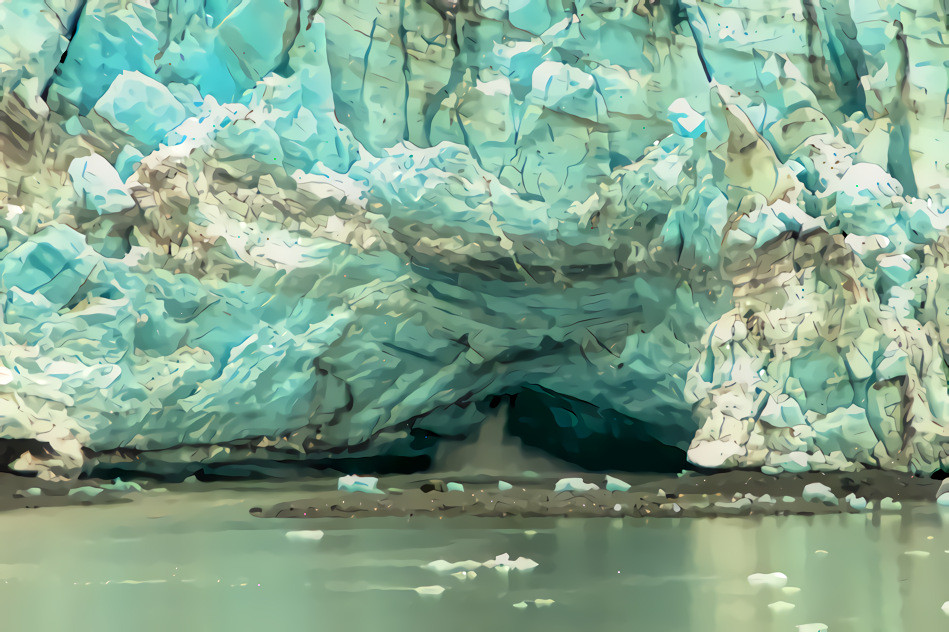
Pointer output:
x,y
197,561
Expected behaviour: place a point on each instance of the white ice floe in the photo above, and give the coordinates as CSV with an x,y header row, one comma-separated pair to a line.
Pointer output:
x,y
574,485
781,606
768,579
539,603
855,502
443,566
818,492
353,483
888,504
616,485
942,494
504,562
305,536
430,590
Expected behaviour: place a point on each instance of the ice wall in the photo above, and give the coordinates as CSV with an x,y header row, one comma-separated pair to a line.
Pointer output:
x,y
279,229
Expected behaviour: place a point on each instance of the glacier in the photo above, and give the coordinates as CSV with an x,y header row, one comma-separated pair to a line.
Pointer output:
x,y
278,230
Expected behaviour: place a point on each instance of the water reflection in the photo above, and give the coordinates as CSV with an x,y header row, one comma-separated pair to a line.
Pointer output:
x,y
205,564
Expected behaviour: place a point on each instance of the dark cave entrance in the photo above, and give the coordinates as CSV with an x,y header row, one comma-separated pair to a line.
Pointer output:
x,y
592,438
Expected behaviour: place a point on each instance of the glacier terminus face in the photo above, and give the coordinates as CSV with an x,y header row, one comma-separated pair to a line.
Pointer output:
x,y
258,230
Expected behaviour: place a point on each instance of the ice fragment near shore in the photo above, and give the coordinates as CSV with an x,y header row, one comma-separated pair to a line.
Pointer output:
x,y
574,485
860,504
616,485
88,491
354,483
888,504
122,486
818,492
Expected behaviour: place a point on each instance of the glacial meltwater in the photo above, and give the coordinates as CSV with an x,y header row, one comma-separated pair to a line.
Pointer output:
x,y
193,558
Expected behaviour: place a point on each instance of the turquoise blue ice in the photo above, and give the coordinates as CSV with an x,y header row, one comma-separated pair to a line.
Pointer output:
x,y
278,229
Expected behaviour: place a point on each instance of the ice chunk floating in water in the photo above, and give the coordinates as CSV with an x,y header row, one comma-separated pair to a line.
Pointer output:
x,y
768,579
503,562
305,536
430,590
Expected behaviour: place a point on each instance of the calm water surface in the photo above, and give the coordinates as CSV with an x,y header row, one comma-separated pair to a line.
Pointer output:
x,y
196,560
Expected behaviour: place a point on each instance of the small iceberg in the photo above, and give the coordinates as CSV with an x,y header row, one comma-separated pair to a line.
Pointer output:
x,y
503,486
504,562
456,487
85,491
122,486
768,579
942,494
857,503
574,485
430,590
812,627
443,566
616,485
818,492
305,536
888,504
353,483
781,606
539,603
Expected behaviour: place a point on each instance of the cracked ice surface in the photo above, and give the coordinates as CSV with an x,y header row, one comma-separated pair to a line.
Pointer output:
x,y
251,229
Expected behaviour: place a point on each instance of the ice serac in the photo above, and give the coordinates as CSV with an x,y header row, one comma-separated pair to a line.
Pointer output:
x,y
258,230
